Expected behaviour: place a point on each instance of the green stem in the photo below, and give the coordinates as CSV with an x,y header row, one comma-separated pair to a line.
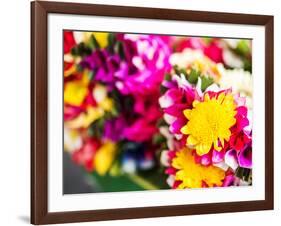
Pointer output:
x,y
142,182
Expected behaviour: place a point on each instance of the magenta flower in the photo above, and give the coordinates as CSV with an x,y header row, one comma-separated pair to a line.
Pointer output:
x,y
242,158
239,136
245,157
114,129
150,63
140,131
140,70
175,100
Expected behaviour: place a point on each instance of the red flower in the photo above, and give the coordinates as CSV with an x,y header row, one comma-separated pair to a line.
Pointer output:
x,y
214,52
85,155
68,41
240,137
238,140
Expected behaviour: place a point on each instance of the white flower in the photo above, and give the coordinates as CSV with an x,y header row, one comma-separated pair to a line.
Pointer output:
x,y
195,59
164,158
99,93
72,140
186,57
240,81
231,59
232,42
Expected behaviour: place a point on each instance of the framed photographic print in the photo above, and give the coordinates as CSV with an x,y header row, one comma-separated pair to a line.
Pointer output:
x,y
146,112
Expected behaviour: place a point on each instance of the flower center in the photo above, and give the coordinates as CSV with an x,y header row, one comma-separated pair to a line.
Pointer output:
x,y
210,122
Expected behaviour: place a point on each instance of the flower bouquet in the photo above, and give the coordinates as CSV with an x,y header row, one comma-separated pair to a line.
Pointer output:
x,y
146,112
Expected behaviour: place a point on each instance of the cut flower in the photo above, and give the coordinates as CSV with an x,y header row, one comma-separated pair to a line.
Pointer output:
x,y
209,122
193,175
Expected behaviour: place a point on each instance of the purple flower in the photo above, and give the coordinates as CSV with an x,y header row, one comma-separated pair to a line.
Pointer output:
x,y
245,157
242,158
113,129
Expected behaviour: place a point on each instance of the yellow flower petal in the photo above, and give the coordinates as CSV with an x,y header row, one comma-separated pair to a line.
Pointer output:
x,y
104,157
187,113
192,175
102,38
106,104
207,97
191,140
75,93
195,103
216,147
185,130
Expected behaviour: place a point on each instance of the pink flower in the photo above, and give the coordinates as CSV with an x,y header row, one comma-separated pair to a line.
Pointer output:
x,y
240,137
140,130
173,102
214,52
146,61
242,158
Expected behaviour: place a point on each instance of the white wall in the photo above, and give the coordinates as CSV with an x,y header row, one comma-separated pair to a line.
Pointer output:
x,y
14,111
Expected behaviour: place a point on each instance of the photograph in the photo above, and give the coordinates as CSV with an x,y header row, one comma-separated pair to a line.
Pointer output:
x,y
152,111
143,112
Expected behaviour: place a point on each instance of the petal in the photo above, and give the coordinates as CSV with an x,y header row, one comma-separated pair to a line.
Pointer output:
x,y
221,97
245,157
185,129
216,146
191,140
217,156
230,159
206,97
187,113
195,103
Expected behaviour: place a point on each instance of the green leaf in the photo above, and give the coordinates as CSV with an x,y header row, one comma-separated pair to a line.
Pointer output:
x,y
79,68
193,76
93,43
244,173
206,82
243,47
158,139
111,39
96,128
163,89
207,40
176,69
247,65
81,50
119,49
168,77
91,75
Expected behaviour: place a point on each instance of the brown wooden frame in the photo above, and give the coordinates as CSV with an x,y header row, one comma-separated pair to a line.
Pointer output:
x,y
39,115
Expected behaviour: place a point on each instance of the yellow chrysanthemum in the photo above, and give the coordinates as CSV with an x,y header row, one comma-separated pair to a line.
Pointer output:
x,y
193,175
104,157
76,91
101,37
209,122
